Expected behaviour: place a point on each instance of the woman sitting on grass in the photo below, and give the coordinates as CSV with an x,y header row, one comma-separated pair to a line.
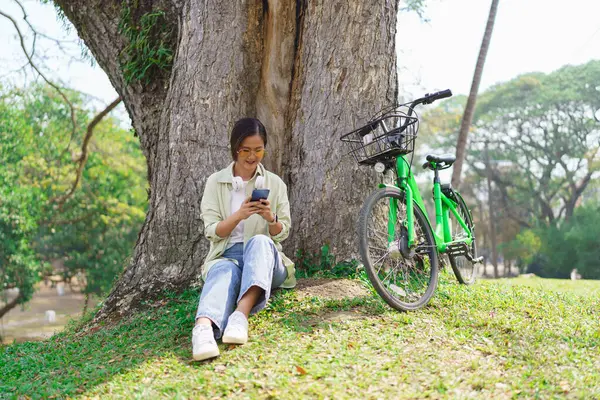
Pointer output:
x,y
245,260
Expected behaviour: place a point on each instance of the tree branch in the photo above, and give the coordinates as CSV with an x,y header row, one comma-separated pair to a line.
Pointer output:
x,y
11,304
30,26
81,161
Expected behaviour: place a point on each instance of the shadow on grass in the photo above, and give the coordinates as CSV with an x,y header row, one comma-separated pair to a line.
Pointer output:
x,y
310,313
67,365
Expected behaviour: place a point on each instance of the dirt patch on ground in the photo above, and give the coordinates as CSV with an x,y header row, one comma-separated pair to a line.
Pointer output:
x,y
335,289
335,317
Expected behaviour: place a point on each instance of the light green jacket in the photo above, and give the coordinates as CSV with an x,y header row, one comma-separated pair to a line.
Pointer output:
x,y
216,206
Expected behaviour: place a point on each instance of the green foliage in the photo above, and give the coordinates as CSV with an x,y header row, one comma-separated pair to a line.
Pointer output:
x,y
19,205
18,262
554,251
524,248
60,15
324,264
582,232
417,6
148,54
539,337
93,232
573,244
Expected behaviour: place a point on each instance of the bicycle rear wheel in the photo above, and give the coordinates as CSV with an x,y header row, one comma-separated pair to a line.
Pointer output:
x,y
405,278
464,269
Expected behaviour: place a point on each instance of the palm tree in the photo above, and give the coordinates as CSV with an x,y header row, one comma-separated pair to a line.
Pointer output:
x,y
470,107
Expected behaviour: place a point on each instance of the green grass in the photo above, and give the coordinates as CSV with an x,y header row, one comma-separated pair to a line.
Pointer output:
x,y
583,287
496,339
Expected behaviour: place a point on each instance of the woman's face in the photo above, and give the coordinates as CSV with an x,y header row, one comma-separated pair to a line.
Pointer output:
x,y
250,153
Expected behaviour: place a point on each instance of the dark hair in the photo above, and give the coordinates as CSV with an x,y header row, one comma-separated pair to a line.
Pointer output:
x,y
244,128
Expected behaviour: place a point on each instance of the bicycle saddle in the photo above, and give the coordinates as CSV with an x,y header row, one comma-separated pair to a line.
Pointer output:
x,y
446,159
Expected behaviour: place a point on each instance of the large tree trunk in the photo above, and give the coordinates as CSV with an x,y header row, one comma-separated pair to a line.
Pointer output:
x,y
309,70
465,124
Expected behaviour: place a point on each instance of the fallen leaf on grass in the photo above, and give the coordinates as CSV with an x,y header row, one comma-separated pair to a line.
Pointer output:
x,y
300,370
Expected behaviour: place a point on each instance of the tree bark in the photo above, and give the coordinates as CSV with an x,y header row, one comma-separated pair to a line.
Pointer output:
x,y
345,71
491,215
576,190
310,70
472,99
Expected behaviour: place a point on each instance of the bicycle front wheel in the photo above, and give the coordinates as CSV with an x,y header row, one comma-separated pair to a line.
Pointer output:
x,y
405,278
464,269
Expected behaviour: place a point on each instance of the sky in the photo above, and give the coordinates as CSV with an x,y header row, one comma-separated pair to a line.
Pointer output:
x,y
529,35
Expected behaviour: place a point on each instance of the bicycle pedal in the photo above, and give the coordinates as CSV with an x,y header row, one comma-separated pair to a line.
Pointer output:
x,y
459,249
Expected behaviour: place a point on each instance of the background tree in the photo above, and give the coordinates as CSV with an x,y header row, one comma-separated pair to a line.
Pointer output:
x,y
90,231
542,144
19,213
561,248
542,127
467,117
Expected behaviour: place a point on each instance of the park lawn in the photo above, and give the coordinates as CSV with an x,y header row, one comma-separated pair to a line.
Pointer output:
x,y
499,338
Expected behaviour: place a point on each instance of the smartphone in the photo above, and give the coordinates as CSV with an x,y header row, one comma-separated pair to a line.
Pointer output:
x,y
259,194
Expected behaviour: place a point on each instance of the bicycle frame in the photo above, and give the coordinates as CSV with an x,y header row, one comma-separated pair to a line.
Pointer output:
x,y
443,207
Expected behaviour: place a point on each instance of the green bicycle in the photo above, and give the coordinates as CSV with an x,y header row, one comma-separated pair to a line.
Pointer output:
x,y
399,249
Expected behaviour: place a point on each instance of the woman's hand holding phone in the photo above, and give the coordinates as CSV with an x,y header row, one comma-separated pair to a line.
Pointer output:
x,y
264,207
248,208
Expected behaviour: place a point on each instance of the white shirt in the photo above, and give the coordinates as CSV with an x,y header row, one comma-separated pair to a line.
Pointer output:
x,y
237,198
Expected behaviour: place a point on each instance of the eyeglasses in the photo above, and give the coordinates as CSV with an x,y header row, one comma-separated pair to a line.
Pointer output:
x,y
246,152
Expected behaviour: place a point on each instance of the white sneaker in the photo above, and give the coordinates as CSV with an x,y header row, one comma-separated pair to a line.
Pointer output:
x,y
236,331
204,343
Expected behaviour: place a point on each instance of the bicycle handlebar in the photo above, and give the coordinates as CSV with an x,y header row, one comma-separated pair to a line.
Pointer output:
x,y
427,99
438,95
431,97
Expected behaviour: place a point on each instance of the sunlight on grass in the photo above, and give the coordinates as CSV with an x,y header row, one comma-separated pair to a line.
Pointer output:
x,y
581,286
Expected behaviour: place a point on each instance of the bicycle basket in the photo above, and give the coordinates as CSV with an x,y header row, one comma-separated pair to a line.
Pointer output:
x,y
384,137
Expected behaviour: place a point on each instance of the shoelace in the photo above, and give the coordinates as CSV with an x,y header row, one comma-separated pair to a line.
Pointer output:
x,y
237,324
202,337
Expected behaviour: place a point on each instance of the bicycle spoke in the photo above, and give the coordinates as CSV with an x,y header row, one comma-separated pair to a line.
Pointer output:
x,y
464,269
405,279
385,255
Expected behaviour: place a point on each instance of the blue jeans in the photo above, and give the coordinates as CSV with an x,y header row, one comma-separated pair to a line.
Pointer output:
x,y
259,264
